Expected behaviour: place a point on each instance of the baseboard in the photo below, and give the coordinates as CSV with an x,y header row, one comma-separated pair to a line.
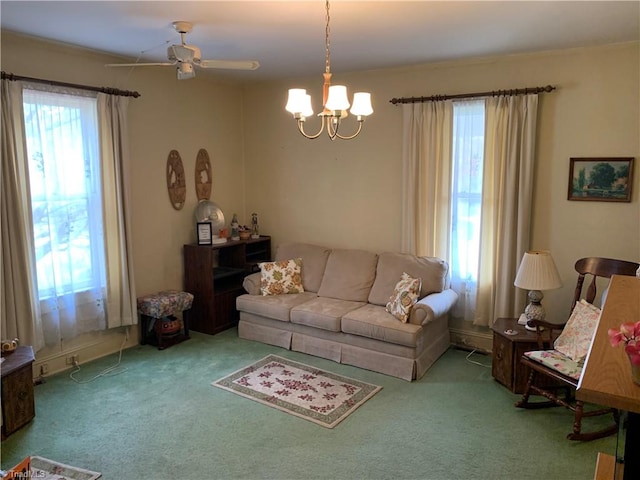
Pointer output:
x,y
471,339
94,347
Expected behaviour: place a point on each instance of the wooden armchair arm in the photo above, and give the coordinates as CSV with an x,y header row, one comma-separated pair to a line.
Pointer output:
x,y
545,332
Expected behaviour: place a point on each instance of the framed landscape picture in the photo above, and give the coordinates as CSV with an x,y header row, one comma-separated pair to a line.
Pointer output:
x,y
601,179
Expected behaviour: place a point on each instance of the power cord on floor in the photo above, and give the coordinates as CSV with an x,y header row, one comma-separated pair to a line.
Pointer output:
x,y
108,372
468,358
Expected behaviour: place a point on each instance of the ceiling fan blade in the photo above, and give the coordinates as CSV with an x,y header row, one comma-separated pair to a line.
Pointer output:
x,y
229,64
160,64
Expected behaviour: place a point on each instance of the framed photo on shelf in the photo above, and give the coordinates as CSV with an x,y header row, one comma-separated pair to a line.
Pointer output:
x,y
605,179
205,233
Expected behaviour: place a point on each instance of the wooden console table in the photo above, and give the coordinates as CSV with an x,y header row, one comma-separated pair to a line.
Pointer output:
x,y
606,377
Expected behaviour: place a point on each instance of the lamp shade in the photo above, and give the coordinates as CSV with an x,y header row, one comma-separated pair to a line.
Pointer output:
x,y
361,104
337,99
537,272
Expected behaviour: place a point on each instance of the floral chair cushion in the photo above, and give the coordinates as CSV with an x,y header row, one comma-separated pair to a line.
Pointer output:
x,y
404,297
281,277
576,336
557,361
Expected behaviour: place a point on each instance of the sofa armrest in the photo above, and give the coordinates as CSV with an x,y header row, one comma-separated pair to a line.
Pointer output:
x,y
433,306
251,283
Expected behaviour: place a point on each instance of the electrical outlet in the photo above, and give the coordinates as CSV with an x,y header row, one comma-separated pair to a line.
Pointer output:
x,y
73,359
44,369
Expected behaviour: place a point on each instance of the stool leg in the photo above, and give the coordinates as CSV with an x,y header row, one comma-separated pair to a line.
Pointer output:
x,y
185,323
159,337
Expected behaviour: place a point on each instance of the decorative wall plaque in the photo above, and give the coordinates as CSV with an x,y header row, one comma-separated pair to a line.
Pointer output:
x,y
175,180
203,175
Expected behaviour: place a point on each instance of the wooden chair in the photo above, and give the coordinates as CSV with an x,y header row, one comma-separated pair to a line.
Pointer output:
x,y
559,370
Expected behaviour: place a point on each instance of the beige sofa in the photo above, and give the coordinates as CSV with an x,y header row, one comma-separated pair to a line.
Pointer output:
x,y
341,314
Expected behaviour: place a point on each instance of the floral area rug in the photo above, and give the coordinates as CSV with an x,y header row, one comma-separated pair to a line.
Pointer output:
x,y
307,392
45,469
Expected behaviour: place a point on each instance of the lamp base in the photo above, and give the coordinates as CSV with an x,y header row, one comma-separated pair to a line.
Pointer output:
x,y
534,310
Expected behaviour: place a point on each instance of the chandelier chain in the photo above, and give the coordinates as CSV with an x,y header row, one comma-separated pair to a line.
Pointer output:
x,y
327,55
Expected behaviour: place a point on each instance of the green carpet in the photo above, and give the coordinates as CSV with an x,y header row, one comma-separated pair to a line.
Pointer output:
x,y
161,419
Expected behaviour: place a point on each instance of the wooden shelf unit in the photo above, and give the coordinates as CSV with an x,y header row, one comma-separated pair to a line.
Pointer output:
x,y
214,275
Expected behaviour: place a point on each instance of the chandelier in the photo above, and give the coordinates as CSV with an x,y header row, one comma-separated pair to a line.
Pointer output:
x,y
334,101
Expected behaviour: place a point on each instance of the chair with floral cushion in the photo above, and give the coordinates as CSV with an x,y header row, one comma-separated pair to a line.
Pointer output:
x,y
560,358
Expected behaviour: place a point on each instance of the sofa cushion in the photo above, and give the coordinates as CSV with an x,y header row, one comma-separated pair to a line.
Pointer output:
x,y
272,306
432,271
323,312
375,322
281,277
404,297
314,261
349,275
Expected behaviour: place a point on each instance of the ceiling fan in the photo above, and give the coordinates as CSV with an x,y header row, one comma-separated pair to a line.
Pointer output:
x,y
184,57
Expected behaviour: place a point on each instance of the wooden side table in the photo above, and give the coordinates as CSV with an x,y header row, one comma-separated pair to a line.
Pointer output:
x,y
507,350
18,405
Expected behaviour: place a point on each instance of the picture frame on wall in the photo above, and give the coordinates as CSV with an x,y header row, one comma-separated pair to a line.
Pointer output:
x,y
600,179
205,233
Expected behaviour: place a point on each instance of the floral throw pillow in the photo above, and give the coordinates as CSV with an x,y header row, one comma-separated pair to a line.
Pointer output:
x,y
404,297
281,277
576,336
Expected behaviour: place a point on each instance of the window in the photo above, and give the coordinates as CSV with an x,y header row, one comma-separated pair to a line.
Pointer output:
x,y
61,132
466,197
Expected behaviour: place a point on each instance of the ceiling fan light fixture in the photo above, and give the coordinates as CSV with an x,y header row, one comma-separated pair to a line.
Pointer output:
x,y
335,102
185,71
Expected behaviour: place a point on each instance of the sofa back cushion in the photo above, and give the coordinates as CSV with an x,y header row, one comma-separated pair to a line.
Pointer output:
x,y
349,275
433,272
314,260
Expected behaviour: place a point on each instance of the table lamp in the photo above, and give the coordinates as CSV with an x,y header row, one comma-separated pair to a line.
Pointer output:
x,y
537,272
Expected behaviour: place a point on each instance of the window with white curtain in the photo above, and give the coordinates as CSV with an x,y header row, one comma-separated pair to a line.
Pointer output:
x,y
466,201
63,148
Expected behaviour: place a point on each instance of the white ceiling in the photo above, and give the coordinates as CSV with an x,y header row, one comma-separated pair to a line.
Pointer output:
x,y
287,37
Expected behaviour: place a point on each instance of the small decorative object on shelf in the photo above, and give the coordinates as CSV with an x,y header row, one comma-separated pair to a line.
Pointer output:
x,y
255,233
235,234
629,335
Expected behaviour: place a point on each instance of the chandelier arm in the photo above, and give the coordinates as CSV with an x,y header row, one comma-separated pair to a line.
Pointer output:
x,y
360,122
310,137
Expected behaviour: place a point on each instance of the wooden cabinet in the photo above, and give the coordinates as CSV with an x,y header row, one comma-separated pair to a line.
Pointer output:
x,y
510,341
214,275
18,404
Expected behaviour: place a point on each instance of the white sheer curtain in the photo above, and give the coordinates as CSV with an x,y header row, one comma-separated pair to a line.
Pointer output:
x,y
17,277
426,178
64,169
510,135
466,211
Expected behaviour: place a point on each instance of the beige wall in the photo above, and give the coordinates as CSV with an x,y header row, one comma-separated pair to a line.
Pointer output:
x,y
348,194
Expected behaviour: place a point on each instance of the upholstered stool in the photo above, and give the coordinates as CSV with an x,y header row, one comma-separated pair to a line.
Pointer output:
x,y
157,312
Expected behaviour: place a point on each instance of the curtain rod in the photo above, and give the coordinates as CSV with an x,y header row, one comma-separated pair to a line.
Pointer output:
x,y
107,90
495,93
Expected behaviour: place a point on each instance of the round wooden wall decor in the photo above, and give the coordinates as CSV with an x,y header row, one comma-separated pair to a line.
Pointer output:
x,y
175,180
203,175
